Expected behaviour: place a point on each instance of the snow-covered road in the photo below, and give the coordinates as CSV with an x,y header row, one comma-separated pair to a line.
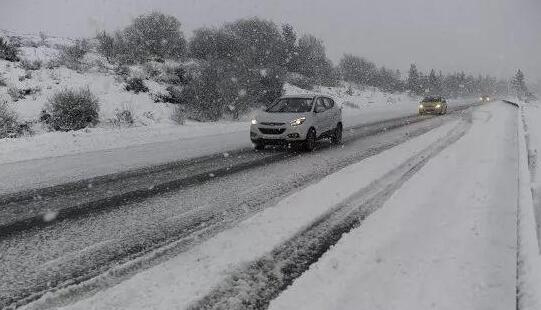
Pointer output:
x,y
430,209
60,162
445,239
82,247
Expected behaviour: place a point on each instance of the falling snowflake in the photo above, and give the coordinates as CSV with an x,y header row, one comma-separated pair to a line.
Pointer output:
x,y
50,216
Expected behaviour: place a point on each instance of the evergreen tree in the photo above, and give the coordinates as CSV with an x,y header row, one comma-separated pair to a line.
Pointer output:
x,y
414,80
433,83
519,85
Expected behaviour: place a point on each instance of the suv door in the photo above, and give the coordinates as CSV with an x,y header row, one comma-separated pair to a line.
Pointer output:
x,y
332,113
320,116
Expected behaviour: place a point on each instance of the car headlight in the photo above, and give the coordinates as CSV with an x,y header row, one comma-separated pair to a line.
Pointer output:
x,y
481,98
254,122
438,106
298,121
421,106
488,98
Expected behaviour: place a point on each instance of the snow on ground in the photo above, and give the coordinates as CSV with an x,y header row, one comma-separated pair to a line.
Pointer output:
x,y
153,138
531,114
105,85
62,157
445,240
152,120
529,271
22,175
190,275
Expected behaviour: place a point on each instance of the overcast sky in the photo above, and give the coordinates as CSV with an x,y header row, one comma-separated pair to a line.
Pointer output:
x,y
492,36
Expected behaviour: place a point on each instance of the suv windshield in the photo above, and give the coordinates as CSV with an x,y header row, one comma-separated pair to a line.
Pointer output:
x,y
291,105
431,99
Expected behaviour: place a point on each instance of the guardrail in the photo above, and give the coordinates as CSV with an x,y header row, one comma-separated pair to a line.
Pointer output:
x,y
512,103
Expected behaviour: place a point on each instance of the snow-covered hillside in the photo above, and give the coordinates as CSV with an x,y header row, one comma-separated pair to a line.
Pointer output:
x,y
151,120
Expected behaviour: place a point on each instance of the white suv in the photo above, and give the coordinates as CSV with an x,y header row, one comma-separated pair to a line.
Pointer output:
x,y
298,119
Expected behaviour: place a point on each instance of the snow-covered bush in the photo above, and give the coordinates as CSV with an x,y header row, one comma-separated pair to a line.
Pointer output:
x,y
106,45
71,56
136,84
173,95
8,121
122,70
72,110
123,116
8,51
154,36
3,81
251,42
209,43
174,74
31,64
151,69
224,87
14,93
202,96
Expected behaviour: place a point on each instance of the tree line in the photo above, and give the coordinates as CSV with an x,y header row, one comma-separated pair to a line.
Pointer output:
x,y
245,63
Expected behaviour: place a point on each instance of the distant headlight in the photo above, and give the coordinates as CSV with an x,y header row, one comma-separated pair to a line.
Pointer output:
x,y
481,98
254,122
438,105
488,98
298,121
421,106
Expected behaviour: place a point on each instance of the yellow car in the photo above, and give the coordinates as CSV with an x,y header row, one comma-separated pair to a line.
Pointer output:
x,y
433,105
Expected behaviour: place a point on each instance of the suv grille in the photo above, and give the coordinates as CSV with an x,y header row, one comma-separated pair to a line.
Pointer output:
x,y
272,124
272,131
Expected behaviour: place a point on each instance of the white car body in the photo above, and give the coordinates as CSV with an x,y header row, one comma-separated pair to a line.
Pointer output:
x,y
324,117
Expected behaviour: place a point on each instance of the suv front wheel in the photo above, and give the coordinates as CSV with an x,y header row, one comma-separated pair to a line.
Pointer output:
x,y
337,134
310,142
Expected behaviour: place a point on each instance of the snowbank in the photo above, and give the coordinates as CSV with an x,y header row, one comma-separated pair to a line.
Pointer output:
x,y
529,267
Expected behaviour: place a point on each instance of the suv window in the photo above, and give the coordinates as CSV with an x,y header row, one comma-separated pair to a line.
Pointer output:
x,y
320,105
291,105
329,103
